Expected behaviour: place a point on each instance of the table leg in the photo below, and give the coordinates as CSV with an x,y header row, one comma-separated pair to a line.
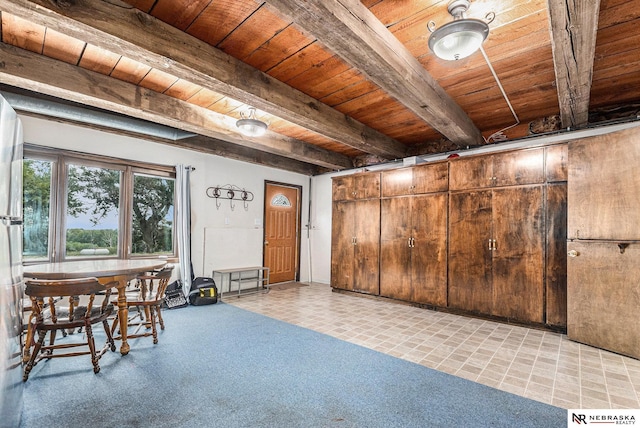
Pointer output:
x,y
123,313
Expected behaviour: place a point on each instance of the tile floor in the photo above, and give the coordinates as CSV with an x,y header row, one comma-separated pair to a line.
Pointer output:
x,y
540,365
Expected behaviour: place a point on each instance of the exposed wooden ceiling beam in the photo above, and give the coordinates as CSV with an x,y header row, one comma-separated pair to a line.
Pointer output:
x,y
38,73
131,33
350,30
574,25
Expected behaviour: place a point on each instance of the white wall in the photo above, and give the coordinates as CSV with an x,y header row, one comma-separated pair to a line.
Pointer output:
x,y
215,243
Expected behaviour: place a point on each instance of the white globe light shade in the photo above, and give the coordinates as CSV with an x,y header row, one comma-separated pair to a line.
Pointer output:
x,y
252,127
458,39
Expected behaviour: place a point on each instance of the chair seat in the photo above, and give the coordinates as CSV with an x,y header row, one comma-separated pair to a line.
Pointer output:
x,y
77,320
63,298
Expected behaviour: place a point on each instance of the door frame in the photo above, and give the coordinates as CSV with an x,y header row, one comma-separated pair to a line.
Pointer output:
x,y
298,222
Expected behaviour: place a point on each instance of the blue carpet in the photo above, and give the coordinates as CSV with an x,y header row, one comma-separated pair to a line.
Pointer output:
x,y
221,366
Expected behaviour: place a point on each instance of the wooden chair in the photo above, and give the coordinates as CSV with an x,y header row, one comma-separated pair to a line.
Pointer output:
x,y
67,305
147,299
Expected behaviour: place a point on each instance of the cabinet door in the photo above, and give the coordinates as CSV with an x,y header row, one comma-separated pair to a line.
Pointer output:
x,y
471,173
469,285
395,253
603,296
557,164
556,264
397,182
604,187
431,178
366,186
518,255
342,188
518,167
342,243
366,271
429,252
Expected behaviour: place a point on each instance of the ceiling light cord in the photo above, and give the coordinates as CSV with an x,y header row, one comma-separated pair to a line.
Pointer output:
x,y
499,135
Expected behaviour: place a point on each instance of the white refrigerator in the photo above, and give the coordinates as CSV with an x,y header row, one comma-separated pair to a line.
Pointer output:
x,y
11,284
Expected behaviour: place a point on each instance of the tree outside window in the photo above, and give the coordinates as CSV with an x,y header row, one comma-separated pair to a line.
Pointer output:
x,y
152,223
102,201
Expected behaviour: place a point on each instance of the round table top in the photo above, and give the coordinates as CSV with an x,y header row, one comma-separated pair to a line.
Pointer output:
x,y
91,268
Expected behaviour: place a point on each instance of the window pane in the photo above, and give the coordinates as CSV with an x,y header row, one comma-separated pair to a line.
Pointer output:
x,y
37,201
152,223
93,200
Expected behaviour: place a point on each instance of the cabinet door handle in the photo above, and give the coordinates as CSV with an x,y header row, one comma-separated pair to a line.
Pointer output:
x,y
355,240
409,242
490,246
413,242
494,245
573,253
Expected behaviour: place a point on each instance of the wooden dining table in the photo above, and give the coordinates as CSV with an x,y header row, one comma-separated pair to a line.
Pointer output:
x,y
119,271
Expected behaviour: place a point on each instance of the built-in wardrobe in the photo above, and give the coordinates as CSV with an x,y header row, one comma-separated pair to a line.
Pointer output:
x,y
482,234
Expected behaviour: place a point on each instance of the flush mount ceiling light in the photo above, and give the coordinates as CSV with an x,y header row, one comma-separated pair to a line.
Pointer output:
x,y
250,126
461,37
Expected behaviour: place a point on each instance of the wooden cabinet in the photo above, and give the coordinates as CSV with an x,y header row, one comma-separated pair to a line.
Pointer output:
x,y
425,178
484,234
603,295
496,252
355,247
603,267
413,248
497,170
604,187
357,186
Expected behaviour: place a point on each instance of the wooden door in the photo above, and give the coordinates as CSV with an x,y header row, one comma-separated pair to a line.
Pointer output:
x,y
342,243
429,249
603,296
518,253
395,250
469,267
366,255
281,231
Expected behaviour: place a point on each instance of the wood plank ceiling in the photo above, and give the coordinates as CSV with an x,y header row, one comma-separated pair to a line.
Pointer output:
x,y
341,83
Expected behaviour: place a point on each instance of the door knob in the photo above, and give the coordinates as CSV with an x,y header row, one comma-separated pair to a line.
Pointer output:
x,y
573,253
266,242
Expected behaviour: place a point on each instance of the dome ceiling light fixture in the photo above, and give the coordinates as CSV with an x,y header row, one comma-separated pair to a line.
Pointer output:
x,y
461,37
250,126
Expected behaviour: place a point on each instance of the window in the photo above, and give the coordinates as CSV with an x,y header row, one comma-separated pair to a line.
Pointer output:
x,y
79,207
92,214
37,206
152,222
280,200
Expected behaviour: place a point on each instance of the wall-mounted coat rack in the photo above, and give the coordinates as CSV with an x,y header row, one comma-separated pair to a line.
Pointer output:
x,y
232,193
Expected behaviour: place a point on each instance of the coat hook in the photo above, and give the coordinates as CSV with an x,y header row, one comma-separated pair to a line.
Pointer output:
x,y
234,193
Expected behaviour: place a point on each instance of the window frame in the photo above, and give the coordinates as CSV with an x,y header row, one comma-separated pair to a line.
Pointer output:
x,y
60,159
